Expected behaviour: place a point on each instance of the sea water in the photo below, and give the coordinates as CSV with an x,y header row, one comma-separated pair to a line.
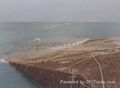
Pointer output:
x,y
18,36
11,78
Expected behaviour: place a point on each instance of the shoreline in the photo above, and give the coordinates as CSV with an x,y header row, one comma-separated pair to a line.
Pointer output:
x,y
26,53
77,43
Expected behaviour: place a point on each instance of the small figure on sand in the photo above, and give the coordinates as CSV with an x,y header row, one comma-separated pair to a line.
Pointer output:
x,y
36,44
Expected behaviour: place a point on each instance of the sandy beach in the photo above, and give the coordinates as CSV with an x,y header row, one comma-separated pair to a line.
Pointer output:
x,y
94,62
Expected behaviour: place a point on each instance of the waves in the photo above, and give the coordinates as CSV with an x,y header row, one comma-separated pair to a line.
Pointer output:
x,y
3,61
77,43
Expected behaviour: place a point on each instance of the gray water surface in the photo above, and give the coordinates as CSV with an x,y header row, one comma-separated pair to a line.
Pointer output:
x,y
11,78
14,35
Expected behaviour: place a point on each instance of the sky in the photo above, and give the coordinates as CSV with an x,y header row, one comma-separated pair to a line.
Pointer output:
x,y
59,10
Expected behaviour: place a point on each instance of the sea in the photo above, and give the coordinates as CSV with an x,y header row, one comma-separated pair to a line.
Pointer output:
x,y
19,36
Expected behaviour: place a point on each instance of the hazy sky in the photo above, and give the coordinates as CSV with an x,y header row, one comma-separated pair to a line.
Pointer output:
x,y
59,10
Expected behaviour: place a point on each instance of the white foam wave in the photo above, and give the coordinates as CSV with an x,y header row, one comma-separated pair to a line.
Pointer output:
x,y
77,43
3,61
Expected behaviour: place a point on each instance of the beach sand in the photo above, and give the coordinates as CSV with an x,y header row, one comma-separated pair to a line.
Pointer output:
x,y
96,62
